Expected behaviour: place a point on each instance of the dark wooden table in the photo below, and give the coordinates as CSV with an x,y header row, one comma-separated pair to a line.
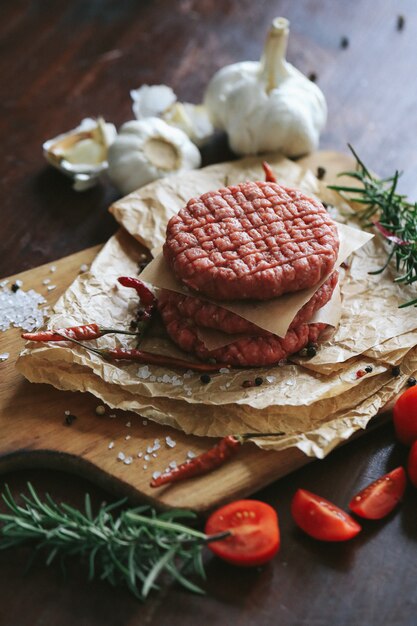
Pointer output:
x,y
61,61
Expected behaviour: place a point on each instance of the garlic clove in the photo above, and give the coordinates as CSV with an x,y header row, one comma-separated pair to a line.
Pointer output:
x,y
193,119
152,100
82,151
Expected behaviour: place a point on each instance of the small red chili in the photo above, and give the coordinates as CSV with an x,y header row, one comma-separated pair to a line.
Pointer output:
x,y
82,333
269,174
360,373
146,296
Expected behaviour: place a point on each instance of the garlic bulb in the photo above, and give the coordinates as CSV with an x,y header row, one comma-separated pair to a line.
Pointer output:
x,y
268,105
147,149
161,101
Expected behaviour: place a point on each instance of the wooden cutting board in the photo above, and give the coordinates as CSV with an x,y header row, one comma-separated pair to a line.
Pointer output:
x,y
34,431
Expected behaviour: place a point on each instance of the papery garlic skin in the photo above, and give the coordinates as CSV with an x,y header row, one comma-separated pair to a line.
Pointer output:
x,y
269,105
81,153
161,101
148,149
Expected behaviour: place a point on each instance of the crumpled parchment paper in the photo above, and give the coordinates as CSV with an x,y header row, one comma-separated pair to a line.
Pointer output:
x,y
316,403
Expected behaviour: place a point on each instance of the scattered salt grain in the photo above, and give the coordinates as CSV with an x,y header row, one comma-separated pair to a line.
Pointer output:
x,y
270,379
121,456
128,437
111,445
18,282
128,460
170,442
290,383
140,455
152,379
156,475
173,464
83,267
145,467
52,268
21,309
51,287
190,454
147,457
154,455
144,372
188,374
67,412
3,283
4,356
224,370
128,424
46,281
145,422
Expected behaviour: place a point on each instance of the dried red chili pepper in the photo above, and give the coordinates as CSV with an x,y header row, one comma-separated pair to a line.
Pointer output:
x,y
146,296
208,461
83,333
269,174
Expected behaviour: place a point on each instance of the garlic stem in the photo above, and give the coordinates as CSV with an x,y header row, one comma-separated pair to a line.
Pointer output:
x,y
273,65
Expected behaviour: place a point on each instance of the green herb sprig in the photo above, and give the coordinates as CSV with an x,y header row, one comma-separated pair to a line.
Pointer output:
x,y
390,213
135,548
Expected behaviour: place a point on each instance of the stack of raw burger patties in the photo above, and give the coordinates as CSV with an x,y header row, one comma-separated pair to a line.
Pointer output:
x,y
252,241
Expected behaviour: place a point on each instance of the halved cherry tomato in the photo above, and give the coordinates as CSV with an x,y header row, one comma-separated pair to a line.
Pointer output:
x,y
380,497
255,537
321,519
412,464
405,416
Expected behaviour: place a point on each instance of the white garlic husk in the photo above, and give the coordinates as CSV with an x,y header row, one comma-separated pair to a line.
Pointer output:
x,y
148,149
269,105
161,101
81,153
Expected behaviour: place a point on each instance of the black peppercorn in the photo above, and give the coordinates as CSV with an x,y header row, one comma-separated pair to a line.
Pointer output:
x,y
311,350
205,379
69,419
411,381
321,172
368,369
396,371
400,22
344,42
313,77
258,381
14,287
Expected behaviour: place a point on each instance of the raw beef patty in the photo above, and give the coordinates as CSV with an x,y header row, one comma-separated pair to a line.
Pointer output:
x,y
255,240
247,352
208,315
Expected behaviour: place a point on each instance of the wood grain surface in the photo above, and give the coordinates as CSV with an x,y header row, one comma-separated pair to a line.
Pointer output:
x,y
61,61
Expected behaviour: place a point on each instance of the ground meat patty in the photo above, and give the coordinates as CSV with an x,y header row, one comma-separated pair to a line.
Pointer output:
x,y
248,352
208,315
251,241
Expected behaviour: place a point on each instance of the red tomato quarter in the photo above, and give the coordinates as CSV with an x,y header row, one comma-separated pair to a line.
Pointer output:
x,y
380,497
321,519
412,464
255,535
405,416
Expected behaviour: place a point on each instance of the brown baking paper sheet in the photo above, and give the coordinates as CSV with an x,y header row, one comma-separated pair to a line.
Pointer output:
x,y
316,409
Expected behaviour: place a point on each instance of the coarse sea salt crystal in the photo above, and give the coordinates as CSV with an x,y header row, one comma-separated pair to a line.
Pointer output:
x,y
224,370
46,281
152,379
128,424
121,456
140,455
111,445
51,287
170,442
145,422
3,283
188,374
156,475
128,437
270,379
190,454
83,267
144,372
128,460
52,268
4,356
21,309
173,464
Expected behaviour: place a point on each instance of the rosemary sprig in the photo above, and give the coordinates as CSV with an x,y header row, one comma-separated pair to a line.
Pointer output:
x,y
391,213
135,548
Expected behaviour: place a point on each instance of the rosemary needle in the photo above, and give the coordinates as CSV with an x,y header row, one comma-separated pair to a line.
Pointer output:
x,y
135,548
394,217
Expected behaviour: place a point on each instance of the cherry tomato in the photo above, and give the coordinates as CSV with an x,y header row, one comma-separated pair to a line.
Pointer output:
x,y
412,464
405,416
255,537
380,497
321,519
